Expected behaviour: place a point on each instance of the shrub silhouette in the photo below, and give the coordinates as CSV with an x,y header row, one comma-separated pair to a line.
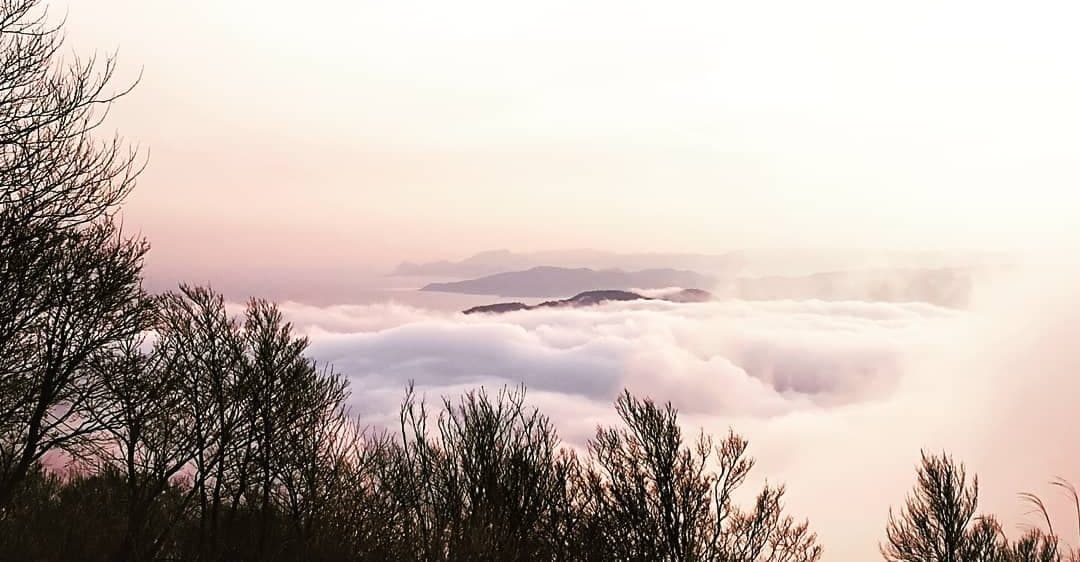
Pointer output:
x,y
489,484
939,523
652,497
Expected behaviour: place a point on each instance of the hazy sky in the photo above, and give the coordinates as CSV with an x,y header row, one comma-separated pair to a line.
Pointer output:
x,y
351,131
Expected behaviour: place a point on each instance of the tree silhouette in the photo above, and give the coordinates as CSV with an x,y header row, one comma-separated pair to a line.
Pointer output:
x,y
70,279
654,498
141,411
939,523
489,485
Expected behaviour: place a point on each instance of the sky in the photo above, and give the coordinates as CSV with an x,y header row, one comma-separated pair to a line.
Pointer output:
x,y
359,132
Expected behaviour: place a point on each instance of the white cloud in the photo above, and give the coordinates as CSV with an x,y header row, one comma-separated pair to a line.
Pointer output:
x,y
725,358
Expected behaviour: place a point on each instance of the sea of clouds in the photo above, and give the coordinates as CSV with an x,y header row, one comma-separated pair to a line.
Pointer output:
x,y
837,398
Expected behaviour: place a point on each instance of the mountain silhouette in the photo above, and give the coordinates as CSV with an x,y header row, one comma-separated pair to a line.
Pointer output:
x,y
593,298
553,282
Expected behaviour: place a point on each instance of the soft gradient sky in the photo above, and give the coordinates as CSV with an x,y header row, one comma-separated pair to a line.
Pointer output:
x,y
352,131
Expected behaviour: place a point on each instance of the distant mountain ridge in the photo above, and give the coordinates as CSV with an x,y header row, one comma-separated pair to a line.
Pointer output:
x,y
549,282
739,263
592,298
949,287
502,261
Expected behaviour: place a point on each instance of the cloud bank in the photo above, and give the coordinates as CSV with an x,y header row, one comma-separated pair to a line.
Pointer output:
x,y
731,359
837,398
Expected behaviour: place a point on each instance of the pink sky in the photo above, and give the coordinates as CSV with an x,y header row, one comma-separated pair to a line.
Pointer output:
x,y
371,132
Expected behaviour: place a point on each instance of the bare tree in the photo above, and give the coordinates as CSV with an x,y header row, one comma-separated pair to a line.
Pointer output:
x,y
320,451
653,498
70,279
198,339
362,517
295,417
489,484
140,406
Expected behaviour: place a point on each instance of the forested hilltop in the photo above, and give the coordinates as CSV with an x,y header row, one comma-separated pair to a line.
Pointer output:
x,y
138,427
